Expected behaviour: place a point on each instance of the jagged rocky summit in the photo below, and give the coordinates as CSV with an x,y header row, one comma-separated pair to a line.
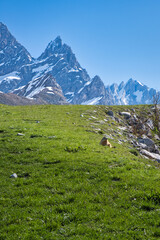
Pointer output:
x,y
12,57
56,77
130,93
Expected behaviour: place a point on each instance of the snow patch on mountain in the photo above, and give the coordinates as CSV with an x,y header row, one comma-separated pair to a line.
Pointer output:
x,y
73,70
140,83
9,77
139,95
35,92
44,88
86,84
40,68
93,101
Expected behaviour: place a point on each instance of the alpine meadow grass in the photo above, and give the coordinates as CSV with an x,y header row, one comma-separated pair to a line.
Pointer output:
x,y
68,185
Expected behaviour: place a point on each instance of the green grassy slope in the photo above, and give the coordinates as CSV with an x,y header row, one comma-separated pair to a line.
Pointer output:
x,y
68,185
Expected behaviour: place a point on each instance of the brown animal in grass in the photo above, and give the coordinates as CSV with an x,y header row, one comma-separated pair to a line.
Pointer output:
x,y
105,142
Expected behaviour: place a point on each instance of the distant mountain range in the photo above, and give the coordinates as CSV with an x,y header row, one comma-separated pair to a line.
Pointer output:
x,y
131,93
56,77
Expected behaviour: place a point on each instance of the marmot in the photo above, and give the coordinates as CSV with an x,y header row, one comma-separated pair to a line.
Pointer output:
x,y
105,142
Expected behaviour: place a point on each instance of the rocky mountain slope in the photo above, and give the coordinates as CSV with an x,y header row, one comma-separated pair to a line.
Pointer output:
x,y
43,88
19,69
14,100
12,57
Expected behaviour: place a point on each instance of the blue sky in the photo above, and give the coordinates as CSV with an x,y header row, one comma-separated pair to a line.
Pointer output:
x,y
115,39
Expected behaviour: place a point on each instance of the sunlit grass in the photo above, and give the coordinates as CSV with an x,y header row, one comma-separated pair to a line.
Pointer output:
x,y
68,185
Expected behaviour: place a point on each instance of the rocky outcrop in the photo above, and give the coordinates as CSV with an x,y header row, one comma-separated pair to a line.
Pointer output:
x,y
139,133
150,155
126,115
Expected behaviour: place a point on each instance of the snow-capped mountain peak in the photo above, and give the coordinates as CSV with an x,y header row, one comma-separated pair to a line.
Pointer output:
x,y
130,93
57,43
56,73
12,54
52,48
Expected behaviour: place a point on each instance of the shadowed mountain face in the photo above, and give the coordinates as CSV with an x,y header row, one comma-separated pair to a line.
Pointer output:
x,y
12,57
12,54
18,69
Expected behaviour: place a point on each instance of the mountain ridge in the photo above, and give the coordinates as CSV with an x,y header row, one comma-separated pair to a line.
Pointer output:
x,y
18,68
132,92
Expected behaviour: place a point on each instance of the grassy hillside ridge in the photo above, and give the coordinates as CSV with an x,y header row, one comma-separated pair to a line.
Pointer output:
x,y
68,185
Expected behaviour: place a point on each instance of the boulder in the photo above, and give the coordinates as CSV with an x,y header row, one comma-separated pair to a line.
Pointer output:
x,y
150,155
147,141
131,136
122,128
149,134
117,119
126,115
133,120
150,124
110,113
156,137
143,146
148,144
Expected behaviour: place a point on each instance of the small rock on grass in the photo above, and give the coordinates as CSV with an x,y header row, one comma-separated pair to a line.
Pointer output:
x,y
14,175
50,137
110,113
20,134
